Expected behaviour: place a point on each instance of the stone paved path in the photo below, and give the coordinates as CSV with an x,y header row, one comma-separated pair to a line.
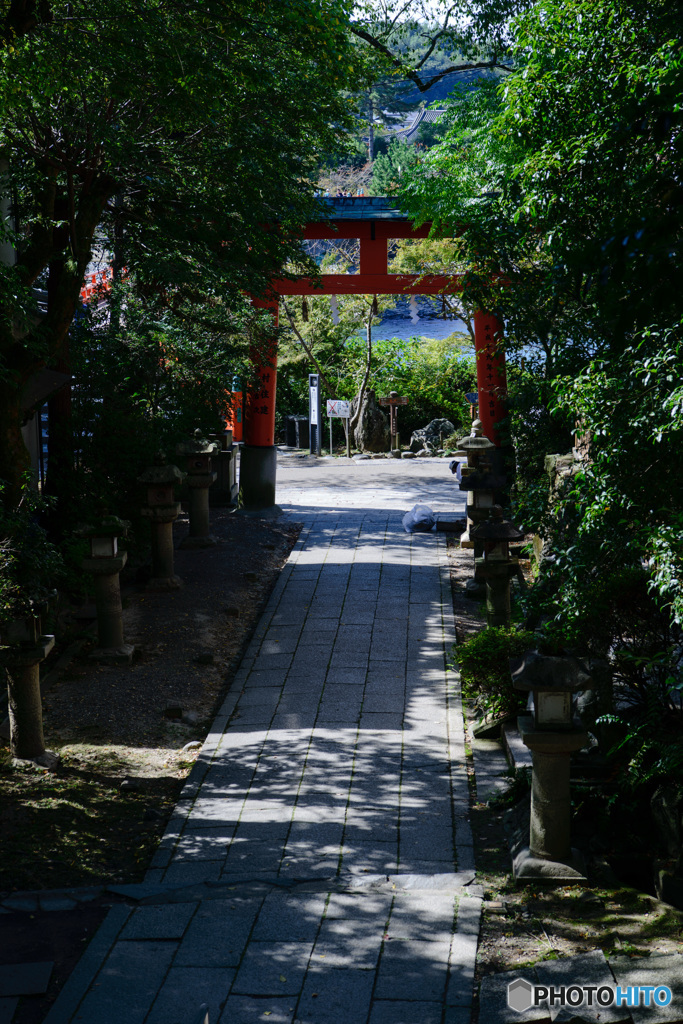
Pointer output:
x,y
318,868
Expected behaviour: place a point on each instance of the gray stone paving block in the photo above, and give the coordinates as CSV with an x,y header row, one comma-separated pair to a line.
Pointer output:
x,y
359,617
293,918
345,675
79,980
266,677
56,903
219,932
465,857
191,872
493,1000
21,903
338,713
360,949
386,720
204,844
469,915
344,658
272,969
276,661
128,982
254,857
299,703
371,856
459,1015
259,696
337,691
159,922
423,915
412,969
461,977
27,979
392,1011
335,997
245,1010
8,1005
463,832
386,652
155,875
305,682
589,969
303,721
653,970
185,989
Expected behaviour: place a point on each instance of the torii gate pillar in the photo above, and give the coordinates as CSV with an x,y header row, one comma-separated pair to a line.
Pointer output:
x,y
258,455
491,377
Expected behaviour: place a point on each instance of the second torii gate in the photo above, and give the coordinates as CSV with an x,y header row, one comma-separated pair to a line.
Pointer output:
x,y
373,220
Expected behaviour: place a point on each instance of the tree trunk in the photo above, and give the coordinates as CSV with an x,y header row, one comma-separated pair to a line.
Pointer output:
x,y
25,712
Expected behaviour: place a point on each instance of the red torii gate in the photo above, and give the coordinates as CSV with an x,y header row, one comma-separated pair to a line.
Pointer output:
x,y
373,220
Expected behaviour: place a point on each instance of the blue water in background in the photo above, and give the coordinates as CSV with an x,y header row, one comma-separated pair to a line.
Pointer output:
x,y
396,322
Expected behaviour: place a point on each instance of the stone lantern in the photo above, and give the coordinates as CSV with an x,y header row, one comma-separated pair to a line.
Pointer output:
x,y
495,565
478,479
105,563
224,461
200,476
26,646
552,735
162,511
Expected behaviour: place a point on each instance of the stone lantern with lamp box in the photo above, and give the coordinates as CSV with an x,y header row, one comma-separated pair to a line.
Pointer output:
x,y
552,733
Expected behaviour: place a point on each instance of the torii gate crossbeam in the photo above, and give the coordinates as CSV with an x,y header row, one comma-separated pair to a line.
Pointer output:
x,y
374,221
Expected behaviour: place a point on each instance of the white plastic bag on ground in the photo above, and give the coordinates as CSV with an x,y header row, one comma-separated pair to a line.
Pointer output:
x,y
420,519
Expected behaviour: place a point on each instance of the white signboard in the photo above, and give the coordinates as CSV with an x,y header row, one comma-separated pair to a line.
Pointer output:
x,y
313,393
335,407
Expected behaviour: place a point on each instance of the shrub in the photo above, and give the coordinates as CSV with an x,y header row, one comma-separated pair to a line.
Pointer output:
x,y
485,671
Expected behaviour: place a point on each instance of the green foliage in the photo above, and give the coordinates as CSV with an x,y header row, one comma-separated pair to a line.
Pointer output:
x,y
174,132
434,374
391,167
485,671
144,379
30,565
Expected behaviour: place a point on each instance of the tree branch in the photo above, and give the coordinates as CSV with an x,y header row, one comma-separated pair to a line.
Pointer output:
x,y
308,350
411,73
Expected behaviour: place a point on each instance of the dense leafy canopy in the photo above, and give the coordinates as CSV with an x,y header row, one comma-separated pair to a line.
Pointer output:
x,y
566,185
179,137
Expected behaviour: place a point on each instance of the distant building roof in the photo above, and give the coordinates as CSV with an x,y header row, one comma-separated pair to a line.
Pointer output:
x,y
362,208
410,130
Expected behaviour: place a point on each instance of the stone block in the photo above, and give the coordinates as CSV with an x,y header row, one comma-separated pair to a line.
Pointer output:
x,y
666,969
585,969
413,969
425,915
245,1010
159,922
336,997
285,918
127,984
393,1011
493,1000
272,969
218,933
185,989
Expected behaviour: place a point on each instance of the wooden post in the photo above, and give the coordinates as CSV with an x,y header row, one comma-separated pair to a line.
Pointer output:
x,y
491,379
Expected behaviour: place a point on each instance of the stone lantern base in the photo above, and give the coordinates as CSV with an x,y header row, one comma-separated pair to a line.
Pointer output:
x,y
546,853
528,868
